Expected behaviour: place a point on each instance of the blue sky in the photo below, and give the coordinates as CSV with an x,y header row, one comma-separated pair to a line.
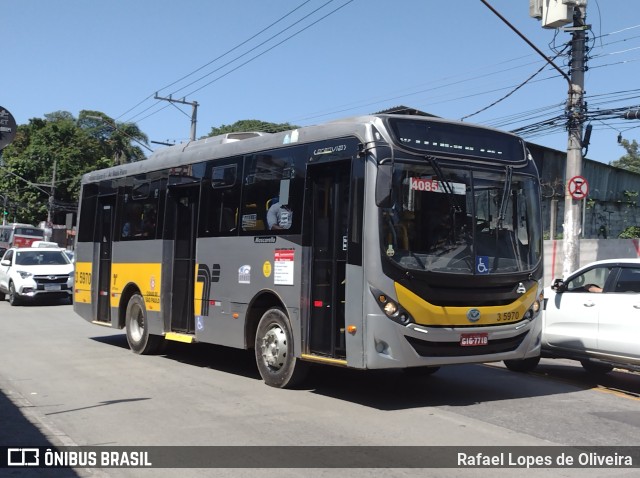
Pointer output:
x,y
450,58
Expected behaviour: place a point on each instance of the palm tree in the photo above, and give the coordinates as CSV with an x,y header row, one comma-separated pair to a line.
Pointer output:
x,y
116,138
120,143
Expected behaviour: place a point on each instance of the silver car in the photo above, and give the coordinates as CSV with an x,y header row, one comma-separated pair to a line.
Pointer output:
x,y
594,316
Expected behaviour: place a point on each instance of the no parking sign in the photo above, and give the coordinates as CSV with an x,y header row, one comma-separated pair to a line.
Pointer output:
x,y
578,187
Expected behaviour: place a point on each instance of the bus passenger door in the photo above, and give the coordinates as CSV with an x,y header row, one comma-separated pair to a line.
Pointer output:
x,y
180,227
328,222
106,206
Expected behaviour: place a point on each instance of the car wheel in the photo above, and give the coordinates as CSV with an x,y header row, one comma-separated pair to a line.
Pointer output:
x,y
14,299
596,368
138,336
274,351
523,365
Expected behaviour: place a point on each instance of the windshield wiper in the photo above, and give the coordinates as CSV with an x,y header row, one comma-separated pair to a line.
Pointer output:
x,y
505,195
448,189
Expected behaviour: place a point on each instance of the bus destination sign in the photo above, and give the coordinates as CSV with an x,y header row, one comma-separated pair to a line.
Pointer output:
x,y
457,140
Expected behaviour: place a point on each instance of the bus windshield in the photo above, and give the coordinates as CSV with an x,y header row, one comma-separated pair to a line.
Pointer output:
x,y
462,221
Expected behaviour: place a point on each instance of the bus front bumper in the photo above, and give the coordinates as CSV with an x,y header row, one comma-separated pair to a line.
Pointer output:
x,y
397,346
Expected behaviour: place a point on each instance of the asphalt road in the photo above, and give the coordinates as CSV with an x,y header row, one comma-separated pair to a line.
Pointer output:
x,y
64,381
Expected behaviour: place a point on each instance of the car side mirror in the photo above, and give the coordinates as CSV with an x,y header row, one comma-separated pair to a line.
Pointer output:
x,y
559,285
6,262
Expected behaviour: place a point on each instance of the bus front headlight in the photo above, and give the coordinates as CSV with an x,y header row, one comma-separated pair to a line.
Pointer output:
x,y
391,308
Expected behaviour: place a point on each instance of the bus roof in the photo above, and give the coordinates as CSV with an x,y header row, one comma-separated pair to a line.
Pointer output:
x,y
236,144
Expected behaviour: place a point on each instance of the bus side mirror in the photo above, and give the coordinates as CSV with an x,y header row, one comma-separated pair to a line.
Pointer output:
x,y
558,285
383,185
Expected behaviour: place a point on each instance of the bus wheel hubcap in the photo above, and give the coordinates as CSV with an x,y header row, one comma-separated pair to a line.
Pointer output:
x,y
274,347
137,325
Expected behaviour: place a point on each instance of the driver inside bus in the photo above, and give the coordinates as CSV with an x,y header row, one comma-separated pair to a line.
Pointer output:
x,y
279,216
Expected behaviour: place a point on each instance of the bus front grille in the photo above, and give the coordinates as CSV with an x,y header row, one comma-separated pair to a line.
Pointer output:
x,y
425,348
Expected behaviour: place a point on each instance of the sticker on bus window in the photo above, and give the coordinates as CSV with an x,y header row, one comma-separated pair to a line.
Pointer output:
x,y
482,264
249,221
283,266
435,186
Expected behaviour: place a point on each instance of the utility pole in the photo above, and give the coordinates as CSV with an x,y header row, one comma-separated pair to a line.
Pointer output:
x,y
53,190
194,111
576,114
554,14
4,209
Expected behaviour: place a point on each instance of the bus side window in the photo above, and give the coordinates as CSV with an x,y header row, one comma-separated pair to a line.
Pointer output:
x,y
140,212
272,193
220,199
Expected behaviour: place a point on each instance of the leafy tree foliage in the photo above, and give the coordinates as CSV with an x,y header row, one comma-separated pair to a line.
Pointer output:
x,y
75,146
631,232
114,137
251,125
631,160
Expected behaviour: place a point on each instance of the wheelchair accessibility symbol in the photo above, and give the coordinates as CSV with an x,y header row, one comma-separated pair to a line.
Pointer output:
x,y
482,264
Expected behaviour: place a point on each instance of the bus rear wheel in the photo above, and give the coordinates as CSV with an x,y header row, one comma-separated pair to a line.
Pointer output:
x,y
136,324
274,351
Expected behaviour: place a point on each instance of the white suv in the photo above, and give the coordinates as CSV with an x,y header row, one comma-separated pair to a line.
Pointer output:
x,y
593,316
35,272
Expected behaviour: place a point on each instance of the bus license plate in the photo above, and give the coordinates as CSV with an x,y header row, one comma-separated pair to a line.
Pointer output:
x,y
473,340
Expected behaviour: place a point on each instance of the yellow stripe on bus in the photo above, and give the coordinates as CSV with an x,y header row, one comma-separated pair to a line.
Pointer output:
x,y
425,313
82,282
147,277
176,337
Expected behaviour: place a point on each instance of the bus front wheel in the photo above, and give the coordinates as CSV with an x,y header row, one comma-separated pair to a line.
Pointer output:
x,y
140,341
274,351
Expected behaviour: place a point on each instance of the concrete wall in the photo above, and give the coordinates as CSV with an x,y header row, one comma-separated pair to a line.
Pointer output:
x,y
590,250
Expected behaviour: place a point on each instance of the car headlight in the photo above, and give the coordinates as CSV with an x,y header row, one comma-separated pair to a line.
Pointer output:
x,y
25,274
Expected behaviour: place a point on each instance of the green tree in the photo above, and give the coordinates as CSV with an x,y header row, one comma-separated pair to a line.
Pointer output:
x,y
631,232
631,160
28,164
250,125
116,138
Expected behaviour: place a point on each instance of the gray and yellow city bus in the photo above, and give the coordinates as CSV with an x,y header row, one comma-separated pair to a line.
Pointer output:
x,y
385,241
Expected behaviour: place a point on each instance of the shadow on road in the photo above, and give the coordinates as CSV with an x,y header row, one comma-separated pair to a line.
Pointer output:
x,y
627,383
215,357
455,385
18,431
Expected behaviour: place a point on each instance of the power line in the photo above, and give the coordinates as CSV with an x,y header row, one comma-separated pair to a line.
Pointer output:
x,y
374,101
217,58
249,51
